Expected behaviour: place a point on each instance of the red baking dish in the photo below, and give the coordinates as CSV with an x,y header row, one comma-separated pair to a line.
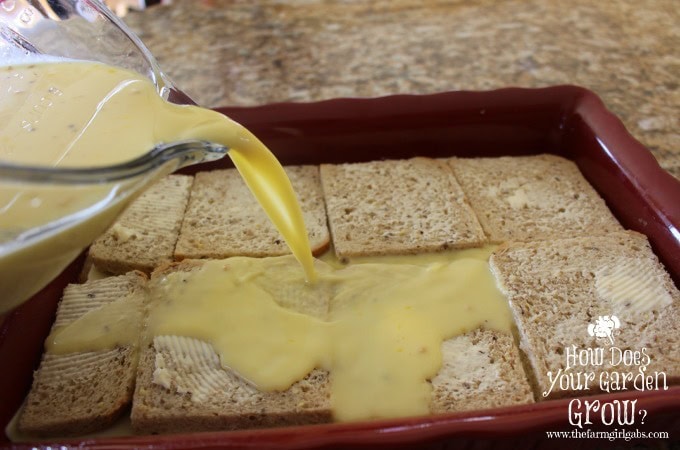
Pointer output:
x,y
564,120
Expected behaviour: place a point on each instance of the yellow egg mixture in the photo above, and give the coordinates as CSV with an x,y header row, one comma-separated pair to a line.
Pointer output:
x,y
384,321
380,340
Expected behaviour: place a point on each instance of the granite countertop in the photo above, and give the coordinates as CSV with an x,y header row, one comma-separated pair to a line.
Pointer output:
x,y
239,52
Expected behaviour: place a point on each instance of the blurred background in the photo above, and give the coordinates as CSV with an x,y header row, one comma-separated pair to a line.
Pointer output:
x,y
237,52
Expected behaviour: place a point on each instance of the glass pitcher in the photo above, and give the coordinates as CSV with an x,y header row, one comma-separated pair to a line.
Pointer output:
x,y
32,255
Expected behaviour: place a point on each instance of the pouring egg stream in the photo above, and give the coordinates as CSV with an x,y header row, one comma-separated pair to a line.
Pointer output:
x,y
87,114
381,340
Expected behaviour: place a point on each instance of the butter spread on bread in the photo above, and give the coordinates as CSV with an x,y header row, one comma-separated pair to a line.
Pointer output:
x,y
530,198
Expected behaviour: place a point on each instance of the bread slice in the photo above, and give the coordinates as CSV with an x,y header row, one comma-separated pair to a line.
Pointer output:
x,y
78,393
145,235
526,198
559,291
223,218
182,387
480,369
397,207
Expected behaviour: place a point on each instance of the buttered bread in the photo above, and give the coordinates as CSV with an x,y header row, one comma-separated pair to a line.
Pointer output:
x,y
223,219
605,296
78,391
529,198
397,207
144,236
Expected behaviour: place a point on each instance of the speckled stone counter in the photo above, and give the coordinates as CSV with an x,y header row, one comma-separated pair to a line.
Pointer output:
x,y
233,52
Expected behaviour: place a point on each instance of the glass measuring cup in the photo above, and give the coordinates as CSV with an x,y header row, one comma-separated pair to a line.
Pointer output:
x,y
33,253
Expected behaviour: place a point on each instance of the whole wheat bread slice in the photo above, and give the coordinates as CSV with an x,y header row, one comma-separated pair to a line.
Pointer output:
x,y
78,393
560,290
145,235
526,198
480,369
397,207
223,218
182,387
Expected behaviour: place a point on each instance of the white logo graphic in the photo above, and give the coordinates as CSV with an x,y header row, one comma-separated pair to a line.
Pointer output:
x,y
604,327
